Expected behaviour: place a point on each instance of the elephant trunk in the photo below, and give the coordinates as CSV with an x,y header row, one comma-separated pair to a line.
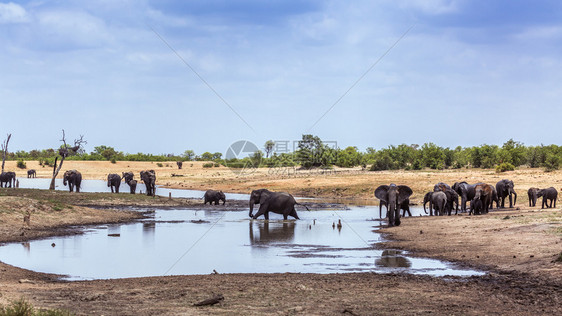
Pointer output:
x,y
514,197
251,208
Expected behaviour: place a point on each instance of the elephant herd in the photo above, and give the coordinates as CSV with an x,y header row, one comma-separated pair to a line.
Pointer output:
x,y
73,178
444,198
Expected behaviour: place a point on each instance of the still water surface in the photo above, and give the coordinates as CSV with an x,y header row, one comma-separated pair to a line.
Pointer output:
x,y
185,241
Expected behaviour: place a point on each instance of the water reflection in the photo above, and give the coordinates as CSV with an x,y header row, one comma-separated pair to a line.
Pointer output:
x,y
393,259
269,232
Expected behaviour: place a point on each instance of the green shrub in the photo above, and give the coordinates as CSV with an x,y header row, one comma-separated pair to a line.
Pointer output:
x,y
159,164
113,160
504,166
208,165
217,165
21,164
552,162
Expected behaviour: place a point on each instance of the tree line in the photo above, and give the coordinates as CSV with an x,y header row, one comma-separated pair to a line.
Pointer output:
x,y
312,152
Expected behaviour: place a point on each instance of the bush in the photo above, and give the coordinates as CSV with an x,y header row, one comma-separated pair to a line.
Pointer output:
x,y
23,307
113,160
21,164
208,165
217,165
552,162
504,166
159,164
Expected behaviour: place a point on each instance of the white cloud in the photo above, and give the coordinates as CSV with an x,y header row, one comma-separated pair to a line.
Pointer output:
x,y
12,13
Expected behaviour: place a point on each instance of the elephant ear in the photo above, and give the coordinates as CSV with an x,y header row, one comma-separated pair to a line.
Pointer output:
x,y
404,193
381,192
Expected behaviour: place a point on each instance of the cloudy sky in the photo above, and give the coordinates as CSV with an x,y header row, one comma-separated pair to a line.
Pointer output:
x,y
166,76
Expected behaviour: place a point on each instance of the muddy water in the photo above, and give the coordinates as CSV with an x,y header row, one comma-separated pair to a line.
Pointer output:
x,y
186,241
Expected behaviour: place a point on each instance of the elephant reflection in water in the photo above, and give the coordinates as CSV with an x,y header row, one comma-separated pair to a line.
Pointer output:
x,y
268,232
392,259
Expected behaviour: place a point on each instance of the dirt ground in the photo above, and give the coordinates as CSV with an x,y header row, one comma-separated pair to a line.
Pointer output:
x,y
521,249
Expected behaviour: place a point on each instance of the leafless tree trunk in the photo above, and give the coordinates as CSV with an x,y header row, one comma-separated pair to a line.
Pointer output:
x,y
5,150
65,151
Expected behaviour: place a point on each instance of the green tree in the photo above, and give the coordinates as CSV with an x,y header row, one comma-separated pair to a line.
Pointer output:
x,y
268,146
189,155
309,151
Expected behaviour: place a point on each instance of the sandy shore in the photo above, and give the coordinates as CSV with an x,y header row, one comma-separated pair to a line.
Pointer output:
x,y
521,249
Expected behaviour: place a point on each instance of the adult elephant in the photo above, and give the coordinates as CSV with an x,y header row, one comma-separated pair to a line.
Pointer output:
x,y
31,173
465,191
533,194
276,202
437,201
7,178
504,189
452,201
482,194
548,194
114,181
214,196
149,179
394,196
73,178
441,186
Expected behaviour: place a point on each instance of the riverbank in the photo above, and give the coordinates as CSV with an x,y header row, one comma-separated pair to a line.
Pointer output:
x,y
528,283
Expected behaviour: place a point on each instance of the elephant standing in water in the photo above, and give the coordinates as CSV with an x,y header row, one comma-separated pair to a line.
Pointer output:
x,y
73,178
31,173
8,178
533,194
114,181
504,188
548,194
128,177
393,196
149,179
276,202
214,196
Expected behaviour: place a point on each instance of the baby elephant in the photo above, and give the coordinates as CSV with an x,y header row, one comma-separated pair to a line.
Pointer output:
x,y
214,196
533,194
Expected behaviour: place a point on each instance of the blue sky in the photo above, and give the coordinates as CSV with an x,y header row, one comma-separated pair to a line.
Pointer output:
x,y
467,73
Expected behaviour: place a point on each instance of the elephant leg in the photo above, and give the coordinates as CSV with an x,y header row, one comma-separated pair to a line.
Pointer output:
x,y
294,213
510,201
262,211
397,218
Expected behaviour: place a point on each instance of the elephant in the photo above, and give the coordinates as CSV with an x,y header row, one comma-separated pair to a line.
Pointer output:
x,y
128,177
180,164
393,195
465,191
475,206
452,201
405,207
73,178
505,188
482,194
8,177
149,179
441,186
214,196
276,202
31,173
114,181
437,200
494,198
132,185
548,194
533,194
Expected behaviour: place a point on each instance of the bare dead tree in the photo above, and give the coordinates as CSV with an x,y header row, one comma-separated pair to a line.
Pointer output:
x,y
64,151
5,150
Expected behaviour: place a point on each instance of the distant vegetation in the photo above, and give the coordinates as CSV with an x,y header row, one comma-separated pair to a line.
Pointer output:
x,y
312,152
